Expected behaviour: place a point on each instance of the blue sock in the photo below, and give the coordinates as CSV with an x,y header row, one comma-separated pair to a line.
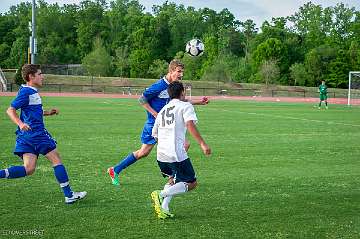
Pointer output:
x,y
126,162
2,173
63,179
13,172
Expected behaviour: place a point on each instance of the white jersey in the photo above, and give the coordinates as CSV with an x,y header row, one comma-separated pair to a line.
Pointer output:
x,y
170,130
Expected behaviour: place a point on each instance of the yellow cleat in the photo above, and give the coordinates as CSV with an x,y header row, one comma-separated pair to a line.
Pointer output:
x,y
155,196
164,214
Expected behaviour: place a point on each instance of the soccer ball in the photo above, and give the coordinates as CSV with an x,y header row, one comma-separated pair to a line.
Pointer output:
x,y
195,47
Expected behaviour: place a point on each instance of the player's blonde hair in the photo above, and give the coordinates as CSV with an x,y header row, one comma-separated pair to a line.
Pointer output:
x,y
175,64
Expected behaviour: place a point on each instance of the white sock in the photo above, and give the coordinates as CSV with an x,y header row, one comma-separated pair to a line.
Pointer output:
x,y
175,189
166,200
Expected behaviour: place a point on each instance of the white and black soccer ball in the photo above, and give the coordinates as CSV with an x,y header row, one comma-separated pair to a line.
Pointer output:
x,y
195,47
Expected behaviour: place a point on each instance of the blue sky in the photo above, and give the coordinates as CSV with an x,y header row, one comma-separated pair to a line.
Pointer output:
x,y
257,10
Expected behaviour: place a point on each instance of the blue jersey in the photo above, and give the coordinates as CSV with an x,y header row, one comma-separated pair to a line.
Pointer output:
x,y
29,101
157,97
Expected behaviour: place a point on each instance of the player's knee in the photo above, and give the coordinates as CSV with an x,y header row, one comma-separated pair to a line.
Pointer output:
x,y
142,153
171,181
30,169
192,185
55,162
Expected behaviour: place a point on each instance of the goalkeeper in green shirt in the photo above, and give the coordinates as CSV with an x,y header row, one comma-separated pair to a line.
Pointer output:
x,y
323,94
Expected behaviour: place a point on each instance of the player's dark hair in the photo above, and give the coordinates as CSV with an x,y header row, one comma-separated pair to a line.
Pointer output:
x,y
29,69
175,89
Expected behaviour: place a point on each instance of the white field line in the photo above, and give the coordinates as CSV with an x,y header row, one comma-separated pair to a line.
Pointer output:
x,y
294,118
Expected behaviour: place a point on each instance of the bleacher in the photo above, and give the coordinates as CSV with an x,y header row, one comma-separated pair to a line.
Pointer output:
x,y
3,81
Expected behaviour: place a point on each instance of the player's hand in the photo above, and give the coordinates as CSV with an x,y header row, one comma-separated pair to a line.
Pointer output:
x,y
24,127
204,100
54,111
205,148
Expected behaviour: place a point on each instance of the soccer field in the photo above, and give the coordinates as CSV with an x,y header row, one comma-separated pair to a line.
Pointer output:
x,y
278,170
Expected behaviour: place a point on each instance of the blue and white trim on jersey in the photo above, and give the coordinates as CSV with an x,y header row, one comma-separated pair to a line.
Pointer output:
x,y
157,97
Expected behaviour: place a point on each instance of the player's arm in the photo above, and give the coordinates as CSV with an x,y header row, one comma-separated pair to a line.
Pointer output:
x,y
11,112
144,103
51,112
155,128
191,127
203,101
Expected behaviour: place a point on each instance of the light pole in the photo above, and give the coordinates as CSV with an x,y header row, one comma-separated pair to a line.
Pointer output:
x,y
33,43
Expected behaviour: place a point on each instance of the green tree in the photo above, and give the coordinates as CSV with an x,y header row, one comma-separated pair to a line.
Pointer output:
x,y
269,72
139,61
270,49
192,66
158,69
121,62
249,31
317,63
91,24
223,69
299,74
338,71
20,16
18,77
243,71
56,33
4,53
98,62
161,35
354,55
18,53
117,24
341,23
211,52
312,24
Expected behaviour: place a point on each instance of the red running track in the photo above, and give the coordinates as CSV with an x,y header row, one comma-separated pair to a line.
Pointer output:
x,y
245,98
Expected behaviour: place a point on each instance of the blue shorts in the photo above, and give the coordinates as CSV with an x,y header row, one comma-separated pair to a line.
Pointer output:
x,y
181,171
38,143
146,135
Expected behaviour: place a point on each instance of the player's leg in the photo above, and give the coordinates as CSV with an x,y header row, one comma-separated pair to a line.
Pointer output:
x,y
161,204
185,181
326,103
30,163
148,143
322,98
127,161
62,177
166,200
29,155
27,169
167,172
144,151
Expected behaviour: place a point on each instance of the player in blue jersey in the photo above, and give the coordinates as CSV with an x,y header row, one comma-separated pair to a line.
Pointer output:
x,y
153,100
32,139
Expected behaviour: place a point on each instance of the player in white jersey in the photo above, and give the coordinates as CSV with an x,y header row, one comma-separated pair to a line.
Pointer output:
x,y
153,100
169,129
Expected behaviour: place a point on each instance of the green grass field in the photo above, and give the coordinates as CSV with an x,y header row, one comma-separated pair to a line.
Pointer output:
x,y
278,170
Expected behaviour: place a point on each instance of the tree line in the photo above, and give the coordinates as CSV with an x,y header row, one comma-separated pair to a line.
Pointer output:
x,y
118,38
